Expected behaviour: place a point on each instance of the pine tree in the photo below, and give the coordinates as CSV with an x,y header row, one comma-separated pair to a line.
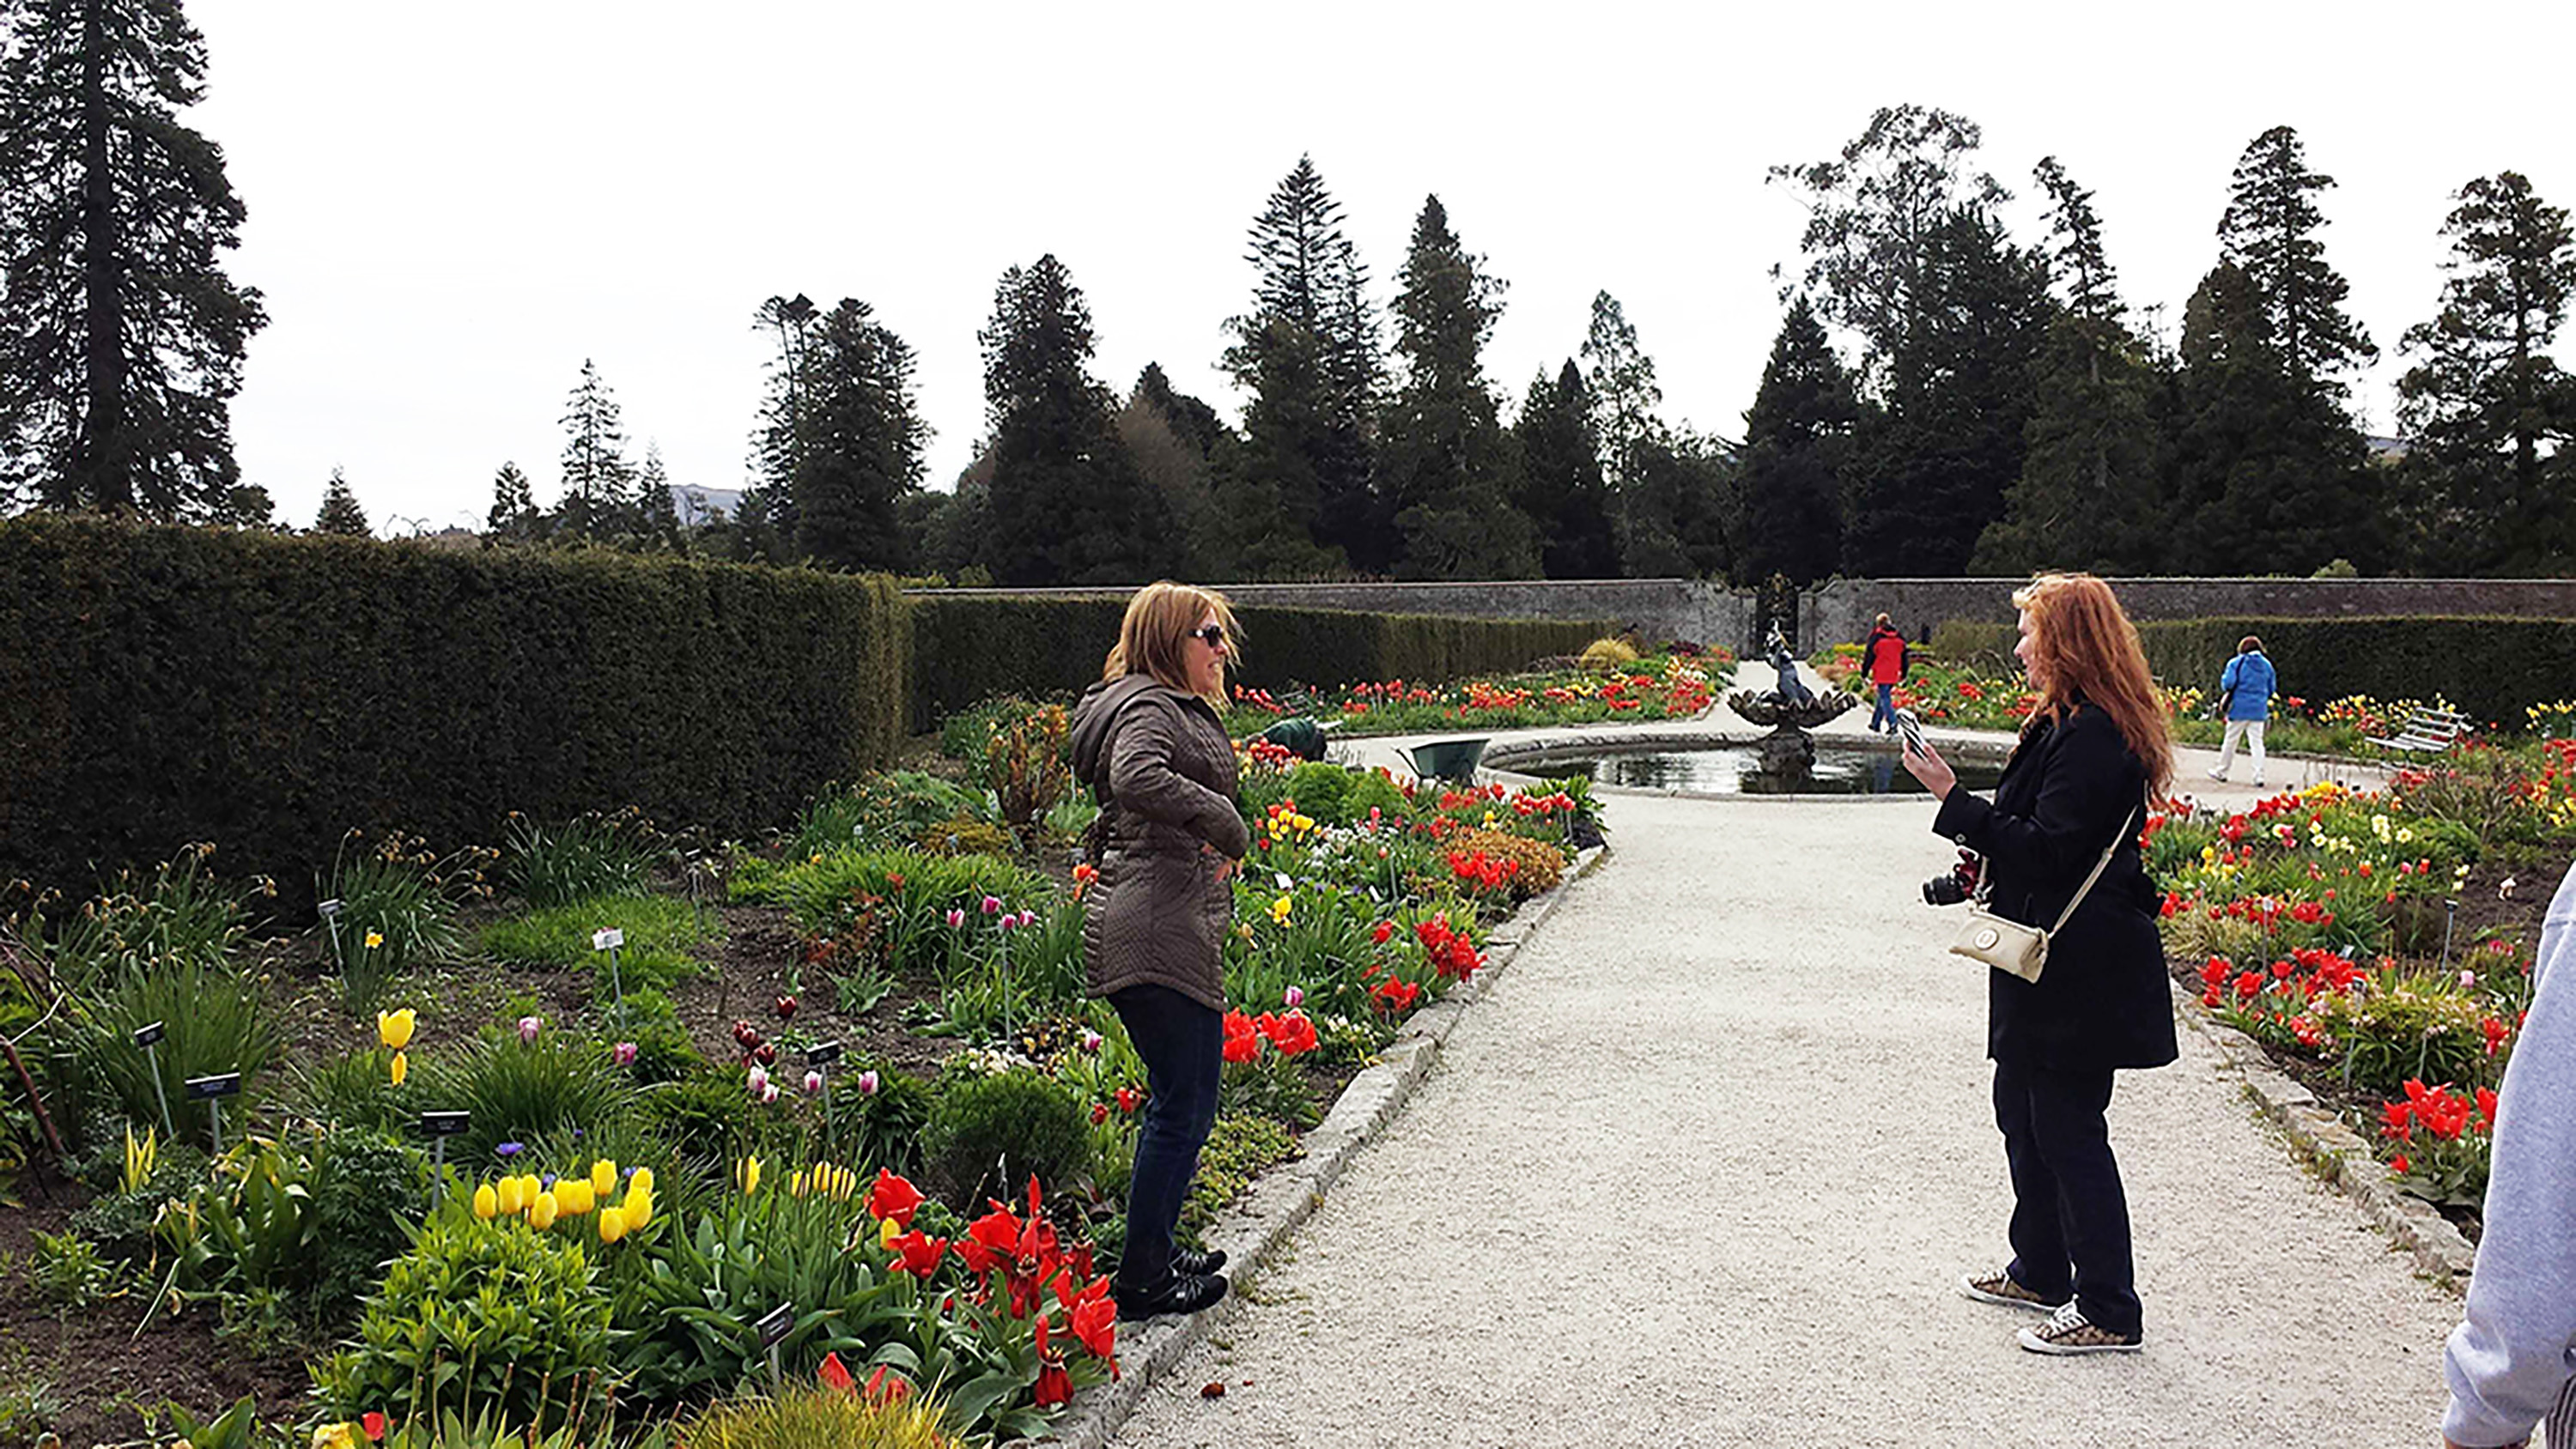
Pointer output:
x,y
1798,451
514,517
654,513
121,339
776,443
1068,505
1679,508
1871,215
2269,232
2269,475
1959,398
1445,459
597,481
2485,399
860,445
340,511
1561,488
1620,380
1308,354
1176,441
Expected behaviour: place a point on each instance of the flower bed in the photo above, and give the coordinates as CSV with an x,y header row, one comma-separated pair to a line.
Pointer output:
x,y
1673,686
660,1147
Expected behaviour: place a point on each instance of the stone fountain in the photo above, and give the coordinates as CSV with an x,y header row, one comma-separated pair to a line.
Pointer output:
x,y
1789,749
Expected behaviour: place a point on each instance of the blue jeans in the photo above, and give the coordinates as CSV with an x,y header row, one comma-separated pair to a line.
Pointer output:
x,y
2070,1220
1886,709
1183,1044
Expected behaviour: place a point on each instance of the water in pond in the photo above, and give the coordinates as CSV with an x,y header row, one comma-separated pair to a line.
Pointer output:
x,y
1738,770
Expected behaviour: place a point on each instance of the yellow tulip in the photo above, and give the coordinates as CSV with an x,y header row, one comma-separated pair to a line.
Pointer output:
x,y
603,1177
746,1174
393,1028
486,1202
642,1181
573,1197
887,1232
509,1199
333,1436
638,1211
541,1215
400,1067
612,1225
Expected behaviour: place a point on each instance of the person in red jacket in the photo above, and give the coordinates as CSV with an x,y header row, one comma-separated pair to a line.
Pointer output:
x,y
1884,660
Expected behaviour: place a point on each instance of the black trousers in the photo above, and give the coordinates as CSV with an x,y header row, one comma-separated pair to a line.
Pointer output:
x,y
2070,1221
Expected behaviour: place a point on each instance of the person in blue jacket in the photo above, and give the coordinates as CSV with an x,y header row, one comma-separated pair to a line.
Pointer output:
x,y
2245,689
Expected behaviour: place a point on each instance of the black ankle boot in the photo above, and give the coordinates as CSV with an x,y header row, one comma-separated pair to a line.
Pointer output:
x,y
1185,1262
1180,1293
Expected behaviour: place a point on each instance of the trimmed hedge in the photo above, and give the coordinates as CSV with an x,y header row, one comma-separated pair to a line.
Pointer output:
x,y
2491,669
160,685
966,650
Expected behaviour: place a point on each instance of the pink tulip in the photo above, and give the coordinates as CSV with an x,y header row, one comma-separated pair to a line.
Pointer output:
x,y
1294,996
769,1092
957,917
868,1083
624,1053
1028,918
813,1084
529,1026
756,1080
1010,923
992,904
1091,1041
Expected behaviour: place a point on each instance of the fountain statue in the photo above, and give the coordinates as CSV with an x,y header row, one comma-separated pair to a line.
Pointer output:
x,y
1790,709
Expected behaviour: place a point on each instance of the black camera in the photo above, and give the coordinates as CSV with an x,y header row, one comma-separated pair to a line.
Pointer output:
x,y
1957,886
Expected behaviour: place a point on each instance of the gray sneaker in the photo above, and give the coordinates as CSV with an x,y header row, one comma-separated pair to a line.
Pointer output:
x,y
2001,1287
2067,1331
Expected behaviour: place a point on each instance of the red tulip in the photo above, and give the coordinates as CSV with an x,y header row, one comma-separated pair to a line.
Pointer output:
x,y
893,1197
834,1376
786,1007
765,1054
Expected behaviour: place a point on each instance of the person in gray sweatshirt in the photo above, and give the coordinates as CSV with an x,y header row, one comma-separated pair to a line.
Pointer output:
x,y
2512,1360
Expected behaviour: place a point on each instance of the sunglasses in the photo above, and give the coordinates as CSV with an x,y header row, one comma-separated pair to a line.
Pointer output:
x,y
1214,634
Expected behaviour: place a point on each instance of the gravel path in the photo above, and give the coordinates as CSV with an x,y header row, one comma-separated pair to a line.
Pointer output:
x,y
1703,1166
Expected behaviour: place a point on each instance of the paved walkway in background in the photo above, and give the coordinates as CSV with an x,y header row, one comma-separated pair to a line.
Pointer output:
x,y
1701,1170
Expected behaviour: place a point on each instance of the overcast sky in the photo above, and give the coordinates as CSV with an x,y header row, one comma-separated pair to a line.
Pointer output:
x,y
452,206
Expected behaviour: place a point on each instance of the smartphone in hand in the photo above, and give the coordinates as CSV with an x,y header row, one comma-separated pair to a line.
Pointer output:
x,y
1912,730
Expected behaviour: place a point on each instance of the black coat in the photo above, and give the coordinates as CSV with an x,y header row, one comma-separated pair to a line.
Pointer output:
x,y
2103,1001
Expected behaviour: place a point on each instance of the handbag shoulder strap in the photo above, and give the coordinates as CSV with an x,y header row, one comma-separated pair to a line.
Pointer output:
x,y
2098,867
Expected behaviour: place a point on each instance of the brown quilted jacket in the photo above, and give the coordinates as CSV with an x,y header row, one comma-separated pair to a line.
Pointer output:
x,y
1163,767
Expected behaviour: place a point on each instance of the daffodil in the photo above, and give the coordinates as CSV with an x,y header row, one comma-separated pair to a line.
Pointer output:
x,y
375,939
487,1202
400,1067
393,1028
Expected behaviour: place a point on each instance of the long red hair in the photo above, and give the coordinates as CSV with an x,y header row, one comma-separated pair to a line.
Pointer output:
x,y
2087,649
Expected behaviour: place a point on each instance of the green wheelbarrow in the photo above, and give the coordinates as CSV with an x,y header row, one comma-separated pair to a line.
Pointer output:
x,y
1448,759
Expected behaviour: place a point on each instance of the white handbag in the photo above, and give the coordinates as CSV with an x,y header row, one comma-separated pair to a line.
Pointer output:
x,y
2008,945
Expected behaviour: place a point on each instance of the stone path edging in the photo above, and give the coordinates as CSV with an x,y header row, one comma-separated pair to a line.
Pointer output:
x,y
2334,1151
1280,1200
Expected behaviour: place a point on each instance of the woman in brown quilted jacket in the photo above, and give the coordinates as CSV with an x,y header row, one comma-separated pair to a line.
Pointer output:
x,y
1148,741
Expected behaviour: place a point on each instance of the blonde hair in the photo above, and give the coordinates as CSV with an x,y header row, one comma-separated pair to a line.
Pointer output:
x,y
1159,619
2087,647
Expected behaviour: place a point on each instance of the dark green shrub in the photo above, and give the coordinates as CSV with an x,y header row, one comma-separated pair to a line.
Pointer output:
x,y
277,691
988,1134
120,1222
1323,791
706,1115
881,1128
365,1184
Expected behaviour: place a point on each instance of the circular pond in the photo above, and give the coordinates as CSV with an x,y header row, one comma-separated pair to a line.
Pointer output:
x,y
1741,770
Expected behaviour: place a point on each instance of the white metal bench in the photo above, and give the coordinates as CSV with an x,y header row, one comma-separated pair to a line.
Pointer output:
x,y
2426,732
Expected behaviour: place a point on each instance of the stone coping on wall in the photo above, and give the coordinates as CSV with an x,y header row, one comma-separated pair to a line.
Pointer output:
x,y
1280,1200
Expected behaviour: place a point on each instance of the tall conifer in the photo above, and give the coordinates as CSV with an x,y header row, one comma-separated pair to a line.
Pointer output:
x,y
1445,459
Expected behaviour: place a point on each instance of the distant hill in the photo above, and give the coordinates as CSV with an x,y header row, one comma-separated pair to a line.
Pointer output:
x,y
704,505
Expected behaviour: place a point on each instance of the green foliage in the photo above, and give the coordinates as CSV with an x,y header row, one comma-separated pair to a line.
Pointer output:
x,y
1268,1086
366,1186
180,915
68,1271
458,686
816,1418
2425,1029
586,857
494,1314
1323,791
397,909
966,650
659,932
212,1021
1016,1123
1238,1148
896,808
706,1114
881,1129
664,1051
119,1221
518,1092
235,1428
1801,442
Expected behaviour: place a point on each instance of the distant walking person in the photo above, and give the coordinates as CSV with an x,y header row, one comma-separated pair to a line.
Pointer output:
x,y
2092,754
2512,1360
1148,741
1884,660
2245,696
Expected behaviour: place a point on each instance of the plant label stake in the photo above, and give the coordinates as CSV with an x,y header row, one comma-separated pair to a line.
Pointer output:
x,y
144,1037
2450,912
440,1126
212,1090
772,1329
820,1057
608,939
330,913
